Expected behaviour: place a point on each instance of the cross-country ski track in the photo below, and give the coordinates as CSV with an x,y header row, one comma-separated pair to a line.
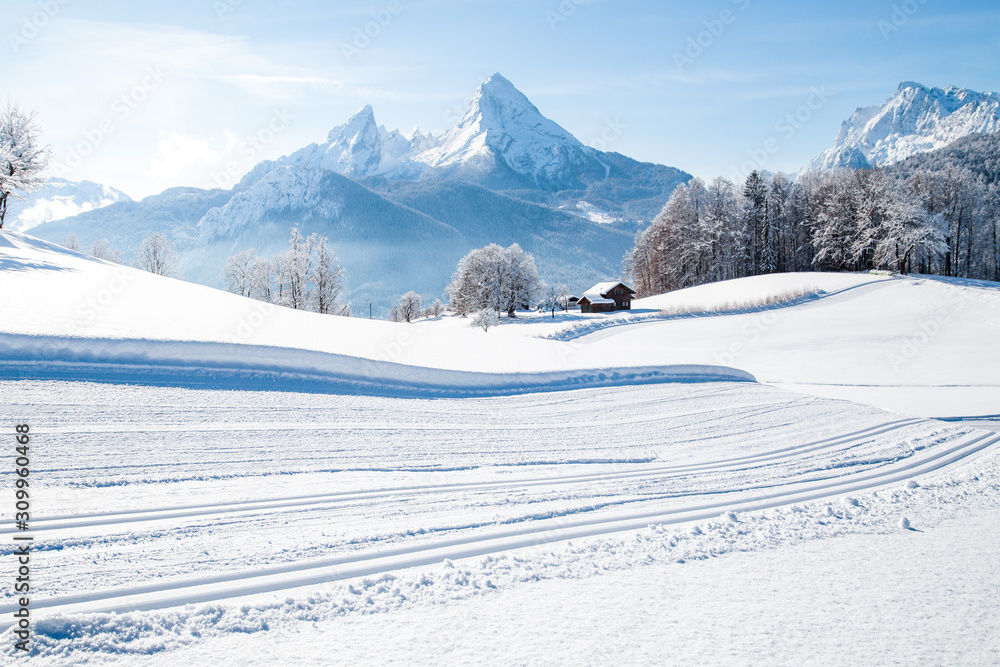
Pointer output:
x,y
694,507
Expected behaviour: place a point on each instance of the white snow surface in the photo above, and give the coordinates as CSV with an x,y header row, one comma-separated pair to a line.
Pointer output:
x,y
217,480
920,345
916,119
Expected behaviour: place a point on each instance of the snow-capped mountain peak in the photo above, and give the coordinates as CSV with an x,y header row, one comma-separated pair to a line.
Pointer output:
x,y
916,119
358,148
359,124
501,109
502,130
502,143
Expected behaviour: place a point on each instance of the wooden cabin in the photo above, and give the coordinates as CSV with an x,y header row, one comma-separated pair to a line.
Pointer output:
x,y
607,298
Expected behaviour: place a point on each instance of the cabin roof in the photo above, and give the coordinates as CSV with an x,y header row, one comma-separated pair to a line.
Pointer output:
x,y
596,294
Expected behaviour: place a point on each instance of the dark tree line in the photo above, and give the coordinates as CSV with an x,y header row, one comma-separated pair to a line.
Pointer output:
x,y
936,216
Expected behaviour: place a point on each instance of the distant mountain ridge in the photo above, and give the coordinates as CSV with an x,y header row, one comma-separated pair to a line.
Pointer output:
x,y
59,199
401,211
916,119
504,143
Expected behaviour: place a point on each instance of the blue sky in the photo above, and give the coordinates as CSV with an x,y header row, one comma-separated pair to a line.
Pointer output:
x,y
145,96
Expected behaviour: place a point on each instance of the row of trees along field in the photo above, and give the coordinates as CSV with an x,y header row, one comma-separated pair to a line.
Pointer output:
x,y
306,276
933,219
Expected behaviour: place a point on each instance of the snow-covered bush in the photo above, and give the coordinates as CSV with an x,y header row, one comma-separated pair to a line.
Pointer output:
x,y
434,310
102,250
746,304
485,319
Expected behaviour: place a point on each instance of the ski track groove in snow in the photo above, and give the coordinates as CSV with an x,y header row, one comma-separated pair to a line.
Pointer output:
x,y
41,524
293,575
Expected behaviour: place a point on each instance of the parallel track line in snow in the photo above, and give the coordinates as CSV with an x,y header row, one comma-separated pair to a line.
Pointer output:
x,y
41,524
293,575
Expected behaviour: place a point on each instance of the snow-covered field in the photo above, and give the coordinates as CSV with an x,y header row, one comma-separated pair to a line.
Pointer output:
x,y
216,480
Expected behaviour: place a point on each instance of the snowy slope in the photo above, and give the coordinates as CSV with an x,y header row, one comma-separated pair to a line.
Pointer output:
x,y
183,514
919,345
922,346
916,119
84,310
748,292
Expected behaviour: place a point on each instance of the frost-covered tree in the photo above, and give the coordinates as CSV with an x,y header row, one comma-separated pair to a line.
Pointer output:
x,y
239,272
326,277
262,280
103,250
71,243
757,220
549,299
834,223
910,233
563,297
434,310
294,271
306,276
21,158
407,308
156,255
722,234
674,251
501,279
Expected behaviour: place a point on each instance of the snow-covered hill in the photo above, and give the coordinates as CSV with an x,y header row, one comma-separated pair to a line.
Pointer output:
x,y
213,475
60,199
920,345
916,119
